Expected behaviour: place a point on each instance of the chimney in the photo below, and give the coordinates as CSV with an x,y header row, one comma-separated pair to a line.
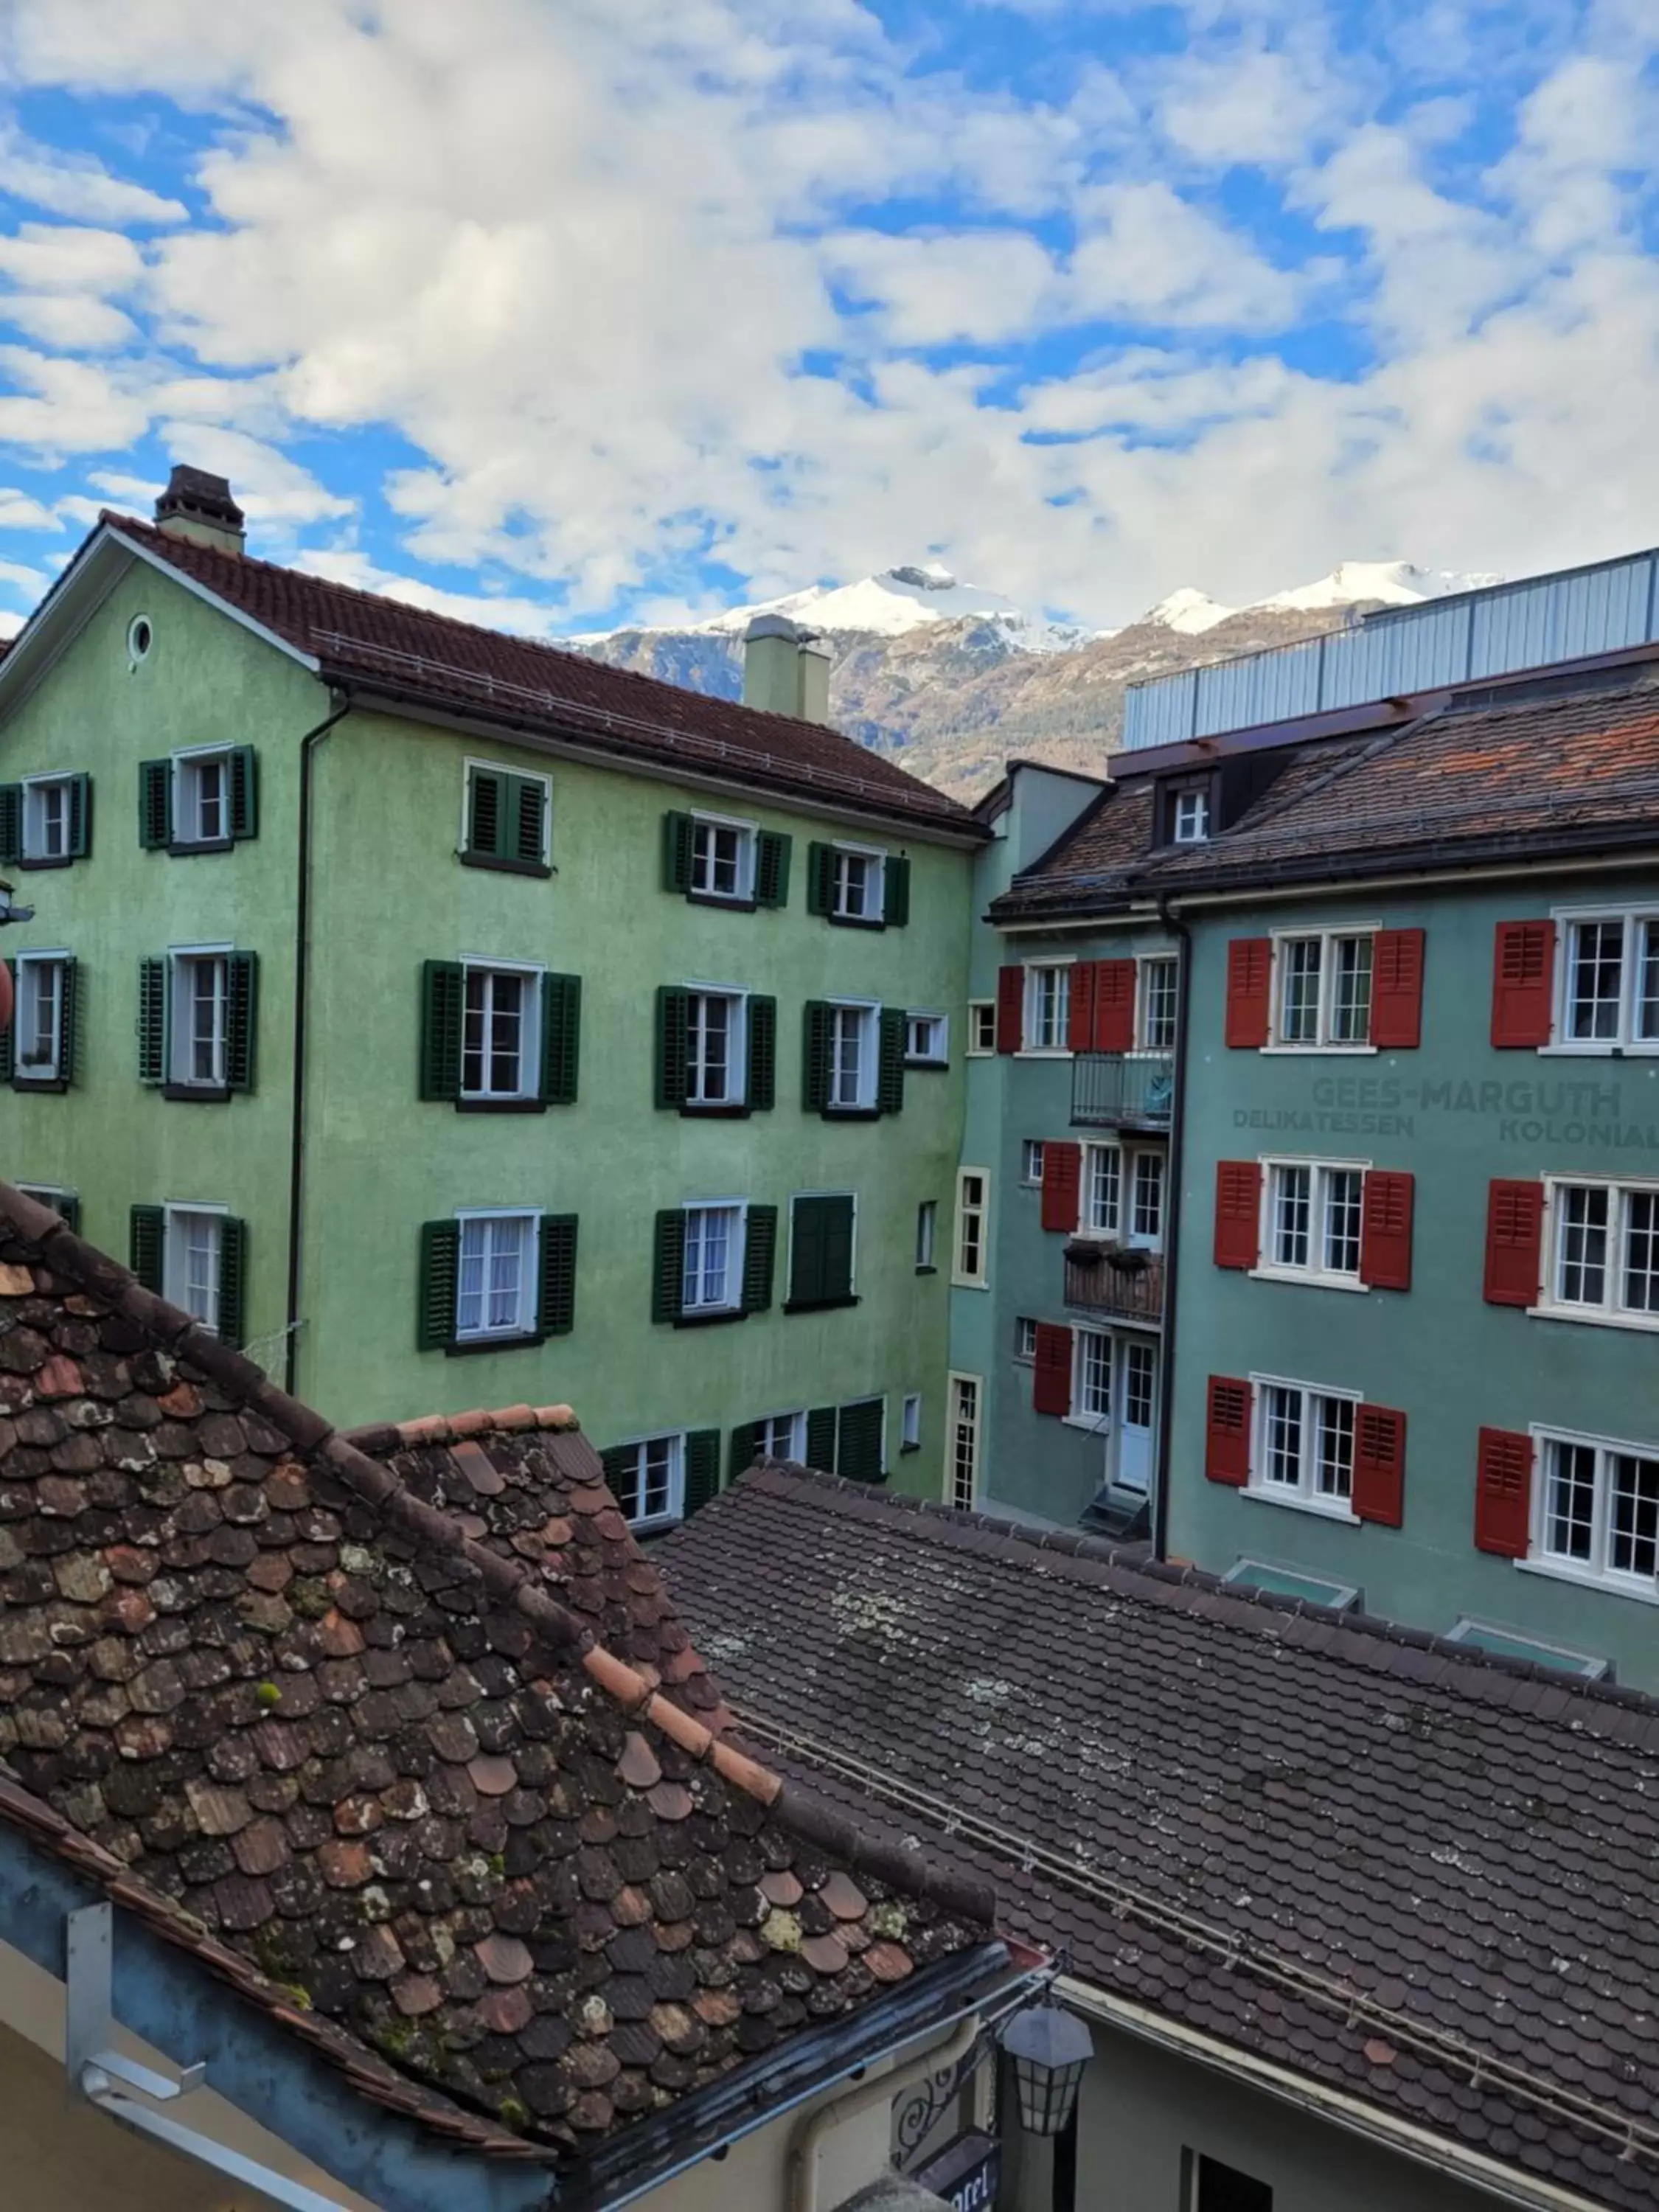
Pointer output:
x,y
199,507
785,670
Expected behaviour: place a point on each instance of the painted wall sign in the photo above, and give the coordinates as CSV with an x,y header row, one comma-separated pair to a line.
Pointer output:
x,y
965,2172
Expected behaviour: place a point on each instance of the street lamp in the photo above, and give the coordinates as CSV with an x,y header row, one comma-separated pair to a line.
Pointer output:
x,y
1049,2047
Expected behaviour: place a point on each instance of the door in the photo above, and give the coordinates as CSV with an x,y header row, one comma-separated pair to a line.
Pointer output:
x,y
1137,1398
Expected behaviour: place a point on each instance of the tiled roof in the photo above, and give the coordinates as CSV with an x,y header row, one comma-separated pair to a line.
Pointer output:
x,y
347,1722
1577,770
1422,1878
406,654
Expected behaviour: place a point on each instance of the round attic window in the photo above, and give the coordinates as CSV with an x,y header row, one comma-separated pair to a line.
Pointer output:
x,y
140,635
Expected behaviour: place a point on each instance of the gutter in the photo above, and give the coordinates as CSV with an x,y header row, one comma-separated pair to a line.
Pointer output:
x,y
802,2184
1178,929
341,708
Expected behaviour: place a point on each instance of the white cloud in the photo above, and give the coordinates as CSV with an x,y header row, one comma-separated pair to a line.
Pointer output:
x,y
1259,105
63,319
65,406
19,512
10,623
1146,255
268,486
74,185
529,617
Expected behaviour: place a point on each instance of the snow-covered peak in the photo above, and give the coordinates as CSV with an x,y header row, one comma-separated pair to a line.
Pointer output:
x,y
1395,583
1189,611
897,600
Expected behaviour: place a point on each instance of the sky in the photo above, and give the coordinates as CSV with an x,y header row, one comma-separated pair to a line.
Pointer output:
x,y
564,314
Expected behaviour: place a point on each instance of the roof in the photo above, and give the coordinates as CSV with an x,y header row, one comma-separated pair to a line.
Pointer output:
x,y
1416,1874
1574,770
411,1748
408,655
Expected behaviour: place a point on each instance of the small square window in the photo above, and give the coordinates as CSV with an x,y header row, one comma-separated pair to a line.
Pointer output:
x,y
782,1436
1189,817
1030,1160
722,859
1025,1331
981,1027
910,1440
647,1480
856,884
926,1040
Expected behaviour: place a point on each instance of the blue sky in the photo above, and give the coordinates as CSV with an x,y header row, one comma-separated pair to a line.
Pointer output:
x,y
561,312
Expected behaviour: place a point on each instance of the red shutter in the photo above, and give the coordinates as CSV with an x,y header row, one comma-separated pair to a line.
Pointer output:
x,y
1397,989
1523,982
1515,1243
1051,1376
1503,1493
1115,1006
1011,1008
1250,987
1062,1175
1379,1465
1385,1229
1081,1007
1227,1431
1238,1213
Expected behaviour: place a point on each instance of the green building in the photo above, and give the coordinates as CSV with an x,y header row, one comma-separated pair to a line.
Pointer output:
x,y
452,1022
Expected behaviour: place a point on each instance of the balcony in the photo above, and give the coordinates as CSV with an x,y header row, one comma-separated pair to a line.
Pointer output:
x,y
1122,1090
1114,1281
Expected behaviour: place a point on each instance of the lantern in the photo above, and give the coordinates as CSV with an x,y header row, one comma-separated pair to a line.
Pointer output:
x,y
1049,2047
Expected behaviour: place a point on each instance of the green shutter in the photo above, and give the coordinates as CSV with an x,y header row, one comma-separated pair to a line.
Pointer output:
x,y
668,1267
676,852
8,1035
440,1268
11,824
69,1015
562,1032
760,1246
745,1448
486,814
233,1281
145,1231
242,1027
838,1277
889,1079
762,1054
67,1204
80,816
815,1056
244,792
673,1044
859,1448
443,1003
529,812
152,1021
896,891
702,1468
556,1312
821,1440
820,879
155,804
772,868
618,1459
806,1252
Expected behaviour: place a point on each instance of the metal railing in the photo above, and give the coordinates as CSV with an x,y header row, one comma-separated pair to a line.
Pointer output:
x,y
1123,1282
1122,1090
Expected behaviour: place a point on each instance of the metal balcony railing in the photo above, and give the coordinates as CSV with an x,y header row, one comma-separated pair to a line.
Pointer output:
x,y
1122,1090
1123,1283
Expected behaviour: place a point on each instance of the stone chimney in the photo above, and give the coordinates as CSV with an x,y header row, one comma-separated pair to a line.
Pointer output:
x,y
199,508
785,670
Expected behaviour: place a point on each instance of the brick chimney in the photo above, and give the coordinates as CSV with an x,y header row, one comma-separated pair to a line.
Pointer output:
x,y
785,670
199,507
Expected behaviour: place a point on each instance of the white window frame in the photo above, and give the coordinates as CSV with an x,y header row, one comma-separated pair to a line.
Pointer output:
x,y
1610,1313
1566,920
187,767
182,959
910,1422
35,788
1084,1338
875,874
731,1300
1594,1574
737,1043
981,1028
794,1441
1024,1351
1030,1005
674,1508
28,966
1322,1041
1270,1269
1144,964
1122,1231
523,1321
926,1233
1468,1628
174,1257
474,762
965,1422
869,1011
530,1026
748,836
980,1280
1306,1497
1031,1172
936,1053
1193,829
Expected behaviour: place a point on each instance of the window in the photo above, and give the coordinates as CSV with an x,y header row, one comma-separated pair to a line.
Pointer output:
x,y
981,1027
1508,1644
856,884
1146,1214
910,1426
1155,1023
1047,1007
926,1040
1605,1250
722,857
501,1042
1189,817
495,1280
195,1254
962,1474
1025,1330
926,1235
66,1204
1598,1510
973,1200
715,1048
203,800
48,829
714,1259
194,1250
853,1054
647,1480
1111,1173
1313,1219
141,635
201,1018
820,1251
1323,996
507,819
1092,1376
1303,1446
1101,1184
40,1031
1218,2188
1285,1582
1610,980
1030,1160
781,1436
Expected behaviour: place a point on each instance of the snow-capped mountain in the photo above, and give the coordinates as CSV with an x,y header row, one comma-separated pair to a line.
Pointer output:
x,y
892,604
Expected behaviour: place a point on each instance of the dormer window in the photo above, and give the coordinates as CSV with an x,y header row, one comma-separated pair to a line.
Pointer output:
x,y
1189,817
